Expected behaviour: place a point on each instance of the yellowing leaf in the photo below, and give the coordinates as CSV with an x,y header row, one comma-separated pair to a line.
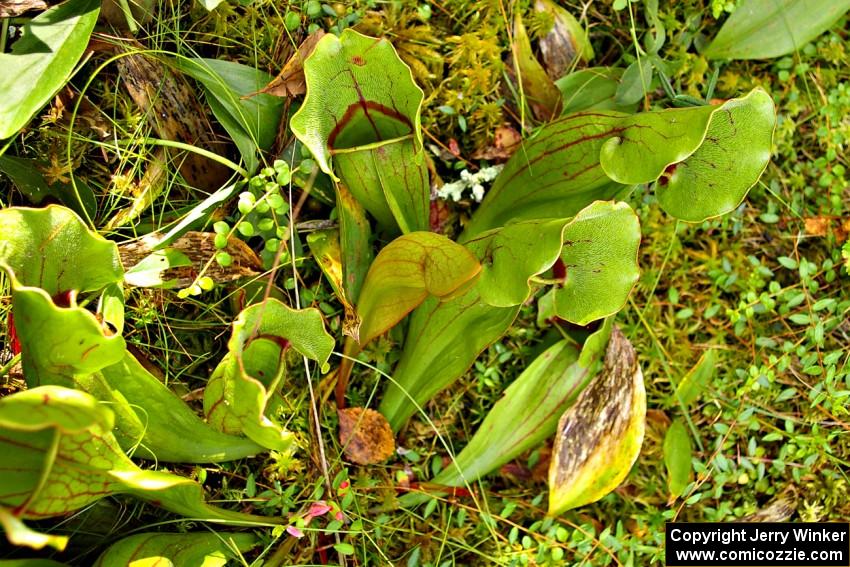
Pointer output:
x,y
599,437
542,94
405,273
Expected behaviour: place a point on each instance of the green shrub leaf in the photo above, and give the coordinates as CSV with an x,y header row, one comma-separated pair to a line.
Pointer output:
x,y
42,60
677,458
761,29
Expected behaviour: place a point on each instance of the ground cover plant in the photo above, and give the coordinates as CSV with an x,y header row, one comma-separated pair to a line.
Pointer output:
x,y
418,283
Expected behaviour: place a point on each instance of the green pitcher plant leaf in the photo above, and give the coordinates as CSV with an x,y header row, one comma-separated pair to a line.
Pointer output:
x,y
52,258
362,110
407,271
354,240
59,456
703,161
528,411
154,423
208,549
42,60
241,396
599,437
677,458
326,249
444,338
762,29
64,344
711,163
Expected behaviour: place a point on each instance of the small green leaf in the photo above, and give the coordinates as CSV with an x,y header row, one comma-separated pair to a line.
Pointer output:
x,y
406,272
762,29
208,549
695,381
599,437
677,458
42,60
634,83
241,395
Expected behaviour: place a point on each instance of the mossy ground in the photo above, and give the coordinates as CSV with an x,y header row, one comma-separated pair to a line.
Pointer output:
x,y
764,286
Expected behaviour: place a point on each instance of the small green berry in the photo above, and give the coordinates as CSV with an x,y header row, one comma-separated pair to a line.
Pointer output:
x,y
292,21
221,227
220,241
266,225
183,293
262,207
557,554
272,244
307,166
245,228
224,259
206,283
314,8
267,172
245,207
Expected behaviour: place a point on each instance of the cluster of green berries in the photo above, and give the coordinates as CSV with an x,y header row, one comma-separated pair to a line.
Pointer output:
x,y
263,210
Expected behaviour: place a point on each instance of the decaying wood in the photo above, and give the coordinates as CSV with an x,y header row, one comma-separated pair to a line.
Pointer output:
x,y
15,8
290,81
200,248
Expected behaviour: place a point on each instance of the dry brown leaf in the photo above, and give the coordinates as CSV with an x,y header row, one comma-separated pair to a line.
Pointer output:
x,y
817,226
175,109
290,81
15,8
199,247
365,435
506,140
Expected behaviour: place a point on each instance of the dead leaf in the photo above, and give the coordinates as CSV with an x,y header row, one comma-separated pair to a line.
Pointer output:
x,y
564,42
290,81
15,8
817,226
780,509
599,437
175,110
365,435
199,248
506,140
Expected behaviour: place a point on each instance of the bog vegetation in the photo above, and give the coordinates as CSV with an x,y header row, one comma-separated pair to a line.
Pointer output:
x,y
422,283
